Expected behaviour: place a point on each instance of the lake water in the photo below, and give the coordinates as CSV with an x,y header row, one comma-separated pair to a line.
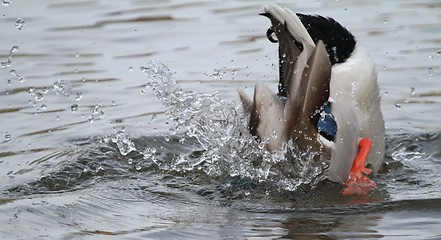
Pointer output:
x,y
88,149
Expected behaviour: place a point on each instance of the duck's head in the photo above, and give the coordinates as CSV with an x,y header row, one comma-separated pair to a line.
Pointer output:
x,y
328,98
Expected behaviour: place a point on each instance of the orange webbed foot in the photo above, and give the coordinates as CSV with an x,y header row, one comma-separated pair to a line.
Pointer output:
x,y
358,183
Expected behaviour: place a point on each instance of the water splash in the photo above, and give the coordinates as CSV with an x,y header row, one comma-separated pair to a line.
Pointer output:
x,y
31,91
124,144
8,61
19,78
217,73
20,23
62,88
221,129
38,96
97,114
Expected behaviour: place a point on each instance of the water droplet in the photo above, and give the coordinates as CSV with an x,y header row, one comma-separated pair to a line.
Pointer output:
x,y
78,96
77,55
386,93
7,137
41,108
430,71
90,119
274,134
398,105
412,91
167,138
30,91
74,108
430,57
438,52
172,131
62,88
6,2
138,167
155,68
20,23
14,49
154,116
354,88
406,100
130,68
385,21
9,82
38,96
45,90
97,114
6,63
218,74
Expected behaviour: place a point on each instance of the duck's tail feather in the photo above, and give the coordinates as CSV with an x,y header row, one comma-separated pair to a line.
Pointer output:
x,y
291,20
295,44
303,105
305,71
267,120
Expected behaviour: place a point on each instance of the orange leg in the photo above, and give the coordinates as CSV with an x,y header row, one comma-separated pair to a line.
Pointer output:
x,y
358,183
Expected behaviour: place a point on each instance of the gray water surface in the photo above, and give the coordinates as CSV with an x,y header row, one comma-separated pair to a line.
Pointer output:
x,y
99,161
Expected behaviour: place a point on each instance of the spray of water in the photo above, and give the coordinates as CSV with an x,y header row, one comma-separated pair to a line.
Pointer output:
x,y
221,129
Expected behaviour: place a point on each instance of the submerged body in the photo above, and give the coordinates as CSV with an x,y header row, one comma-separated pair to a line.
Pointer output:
x,y
328,98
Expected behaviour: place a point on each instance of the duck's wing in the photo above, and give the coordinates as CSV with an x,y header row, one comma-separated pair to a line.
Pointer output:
x,y
305,72
313,92
293,40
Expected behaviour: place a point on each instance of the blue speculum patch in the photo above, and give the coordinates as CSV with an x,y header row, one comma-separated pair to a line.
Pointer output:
x,y
326,124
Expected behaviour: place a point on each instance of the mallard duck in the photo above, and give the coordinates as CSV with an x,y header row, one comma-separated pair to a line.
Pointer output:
x,y
328,98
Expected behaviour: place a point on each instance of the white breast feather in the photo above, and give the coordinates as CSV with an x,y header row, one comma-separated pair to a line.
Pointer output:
x,y
356,107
